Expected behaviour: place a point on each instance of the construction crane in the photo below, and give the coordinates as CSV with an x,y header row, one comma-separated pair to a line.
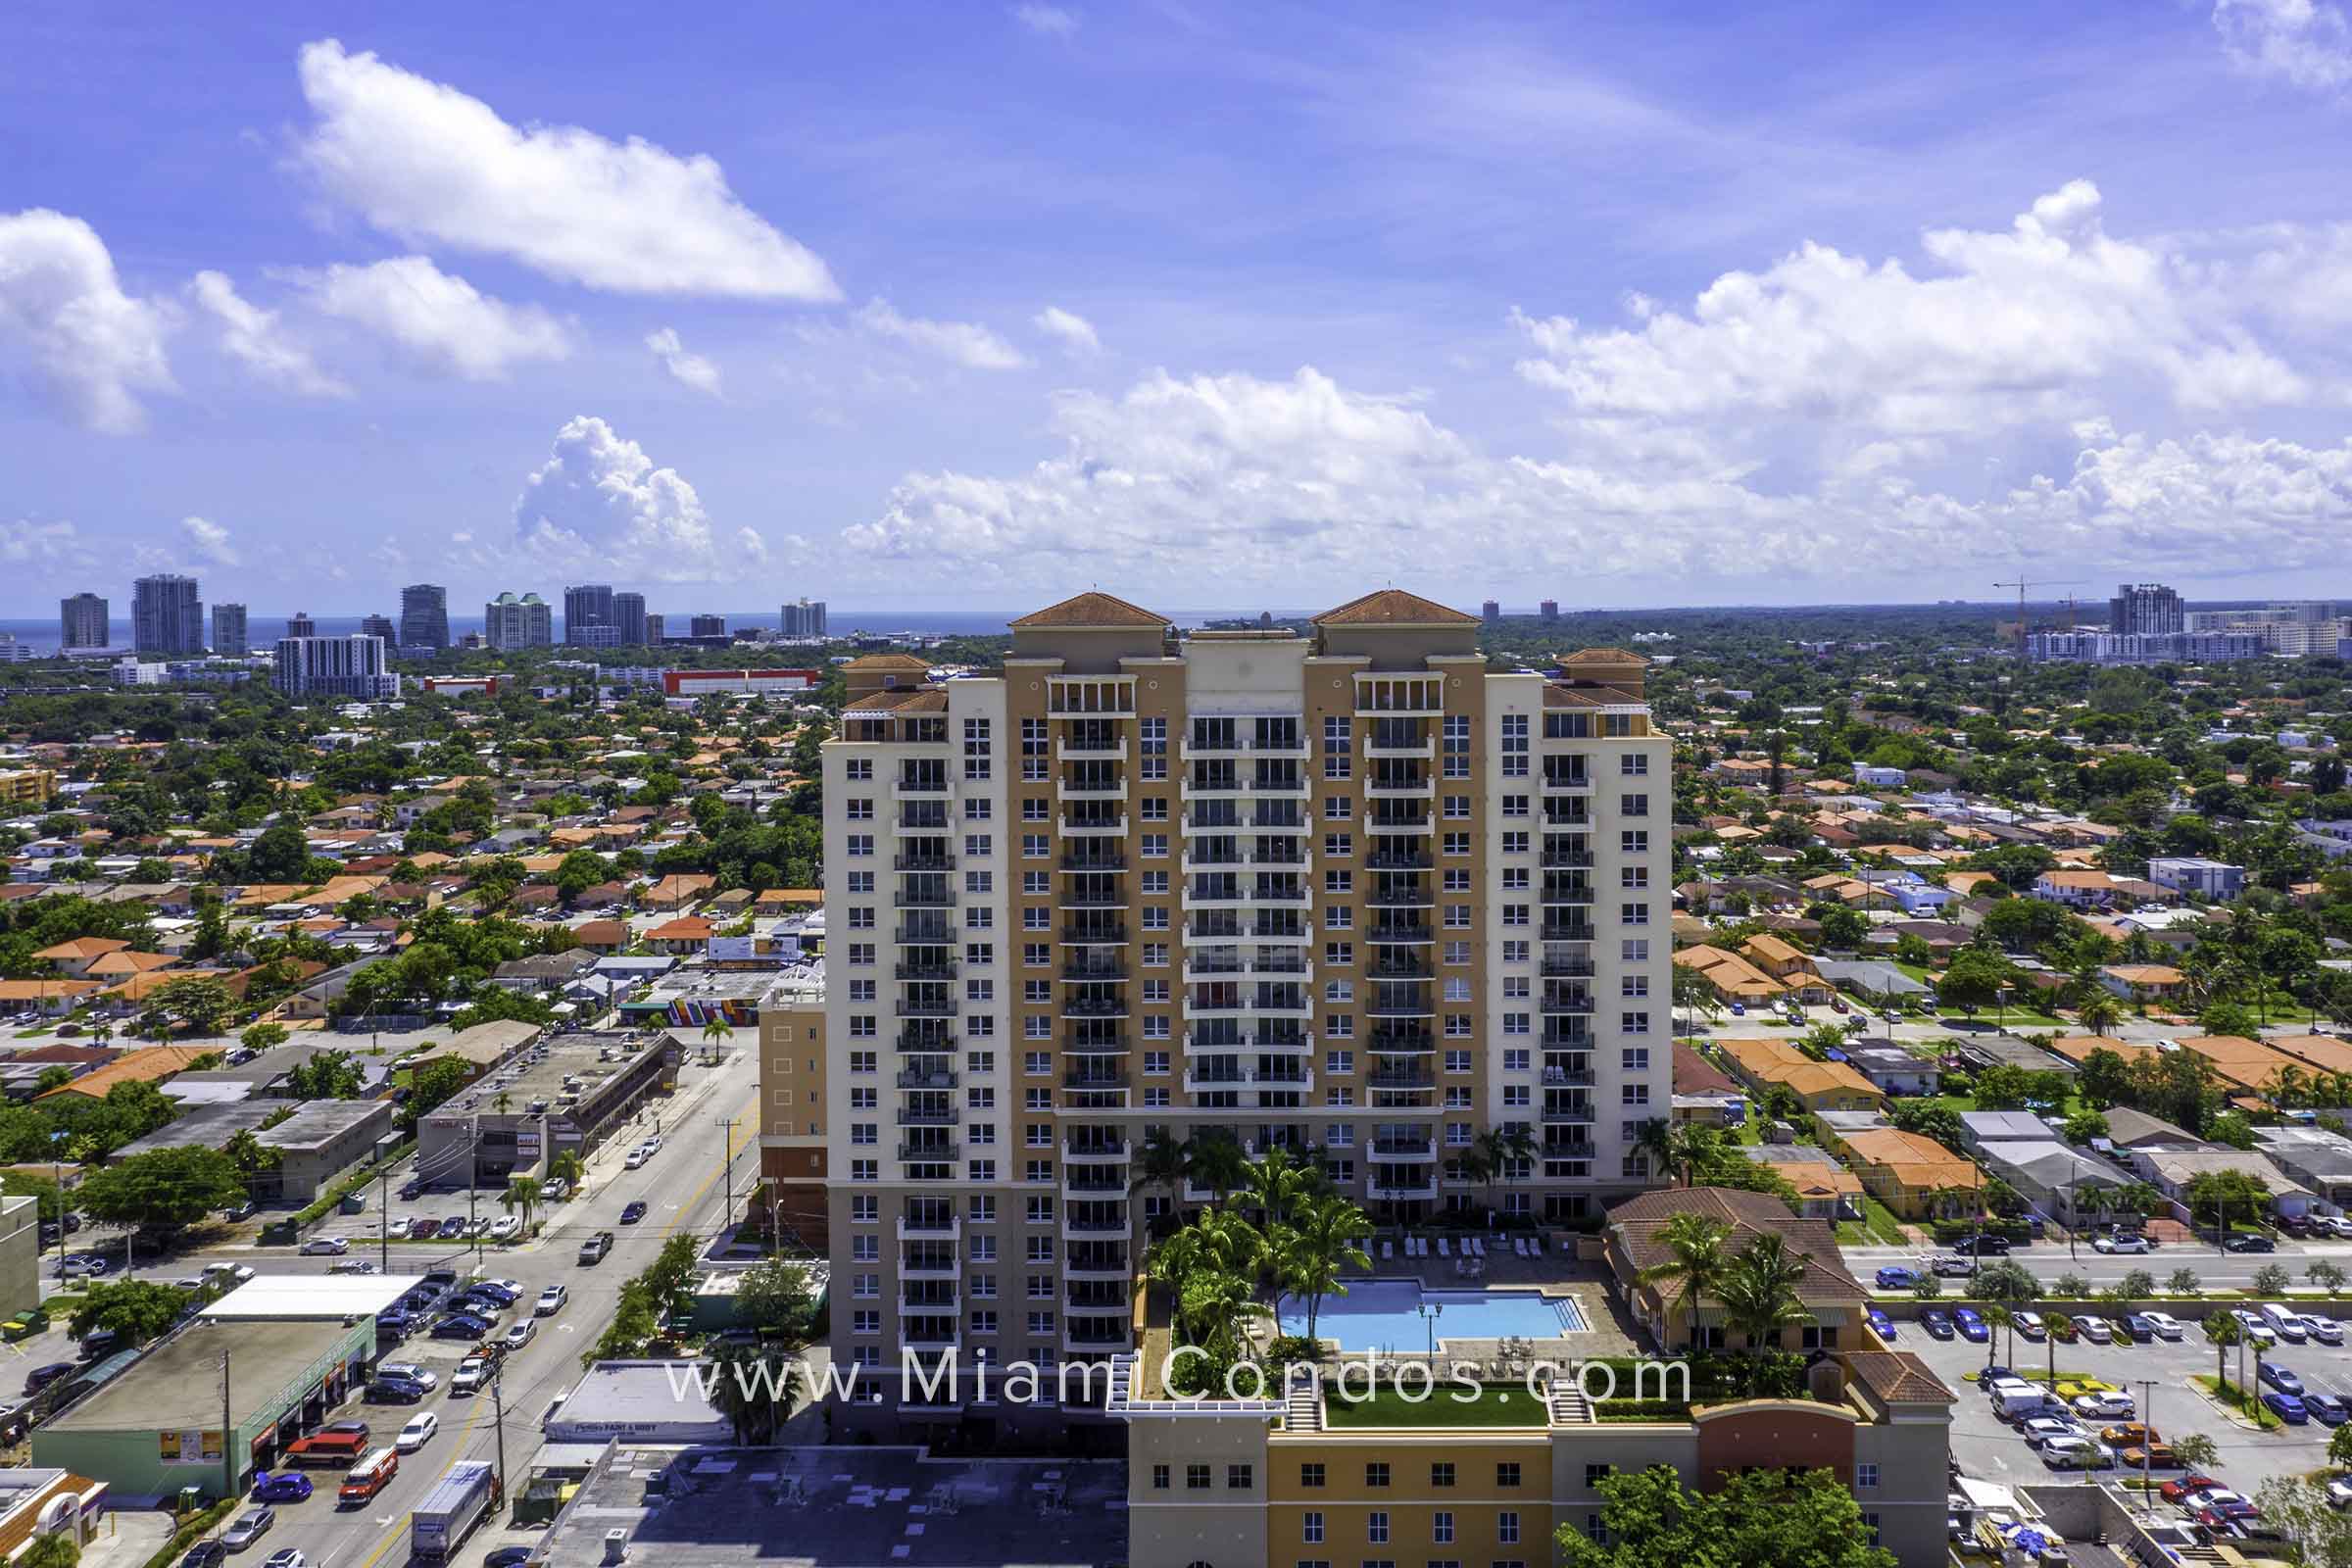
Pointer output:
x,y
2021,585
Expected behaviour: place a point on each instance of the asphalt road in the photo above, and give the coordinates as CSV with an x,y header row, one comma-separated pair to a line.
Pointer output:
x,y
683,1185
2046,1261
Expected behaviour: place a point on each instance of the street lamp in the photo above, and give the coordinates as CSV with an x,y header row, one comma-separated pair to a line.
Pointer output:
x,y
1430,1312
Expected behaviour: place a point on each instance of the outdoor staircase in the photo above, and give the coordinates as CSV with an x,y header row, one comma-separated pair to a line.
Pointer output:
x,y
1302,1407
1568,1404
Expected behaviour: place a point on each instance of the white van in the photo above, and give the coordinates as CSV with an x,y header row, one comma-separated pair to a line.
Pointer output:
x,y
2287,1323
2014,1400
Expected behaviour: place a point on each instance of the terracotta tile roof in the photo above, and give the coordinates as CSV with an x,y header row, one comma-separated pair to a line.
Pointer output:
x,y
883,661
1392,607
686,928
1602,656
1094,609
151,1065
1637,1222
1899,1377
83,948
120,964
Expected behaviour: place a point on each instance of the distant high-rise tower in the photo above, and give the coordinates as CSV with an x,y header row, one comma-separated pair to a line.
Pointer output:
x,y
302,624
804,619
656,628
587,609
628,618
230,640
706,624
1551,609
166,614
81,622
512,622
380,626
424,615
1491,611
334,667
2144,608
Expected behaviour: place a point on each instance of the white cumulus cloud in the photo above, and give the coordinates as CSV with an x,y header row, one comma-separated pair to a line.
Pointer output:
x,y
210,541
1075,333
689,370
598,503
1053,22
82,345
966,343
421,160
2305,43
255,339
437,322
42,546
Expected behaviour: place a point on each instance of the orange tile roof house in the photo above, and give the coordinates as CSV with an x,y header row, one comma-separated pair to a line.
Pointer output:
x,y
74,957
2136,982
1904,1170
1819,1085
686,934
149,1066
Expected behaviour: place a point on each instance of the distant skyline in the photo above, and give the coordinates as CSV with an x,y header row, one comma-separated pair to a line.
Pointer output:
x,y
1716,305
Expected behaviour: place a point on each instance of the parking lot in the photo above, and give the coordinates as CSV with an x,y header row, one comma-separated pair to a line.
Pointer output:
x,y
1988,1448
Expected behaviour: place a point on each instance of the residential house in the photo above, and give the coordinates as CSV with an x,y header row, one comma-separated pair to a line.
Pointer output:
x,y
1818,1085
601,935
2170,1172
74,957
1906,1171
2313,1157
685,937
1979,1129
2144,983
1825,1190
1894,1070
1831,1298
1703,1092
2194,874
2055,1180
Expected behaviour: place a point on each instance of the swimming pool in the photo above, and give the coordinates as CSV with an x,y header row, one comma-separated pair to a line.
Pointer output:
x,y
1383,1315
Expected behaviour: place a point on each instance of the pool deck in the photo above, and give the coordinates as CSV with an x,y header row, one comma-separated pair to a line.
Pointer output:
x,y
1608,1329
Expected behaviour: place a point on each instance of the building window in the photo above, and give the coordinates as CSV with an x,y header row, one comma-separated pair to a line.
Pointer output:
x,y
1159,1478
1310,1475
1866,1475
1506,1474
1440,1475
1310,1529
1376,1527
1506,1525
1441,1528
1237,1477
1593,1473
1376,1475
1196,1477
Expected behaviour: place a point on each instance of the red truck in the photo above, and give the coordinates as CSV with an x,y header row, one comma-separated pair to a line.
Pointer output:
x,y
337,1445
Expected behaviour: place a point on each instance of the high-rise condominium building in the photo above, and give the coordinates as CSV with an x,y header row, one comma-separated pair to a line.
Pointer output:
x,y
81,622
1347,892
803,618
1490,612
166,614
628,618
424,615
656,628
229,638
334,667
512,622
302,624
1550,609
706,624
588,609
2144,608
380,626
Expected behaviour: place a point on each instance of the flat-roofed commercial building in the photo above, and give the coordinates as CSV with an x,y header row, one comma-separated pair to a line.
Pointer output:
x,y
567,1095
1342,888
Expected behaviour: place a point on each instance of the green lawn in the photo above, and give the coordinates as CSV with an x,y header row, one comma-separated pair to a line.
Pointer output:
x,y
1881,1223
1497,1405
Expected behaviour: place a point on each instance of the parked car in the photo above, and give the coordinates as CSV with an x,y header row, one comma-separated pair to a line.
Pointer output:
x,y
418,1433
40,1377
506,1228
410,1370
285,1486
2076,1454
205,1555
2325,1330
2248,1242
2182,1487
2149,1456
395,1391
2328,1409
2140,1327
552,1299
352,1265
2281,1378
1894,1277
251,1526
1936,1322
326,1246
287,1557
2094,1328
461,1326
2029,1325
412,1190
2104,1406
2126,1243
2256,1331
2167,1326
522,1333
2041,1429
1971,1324
1982,1245
451,1228
2287,1407
423,1229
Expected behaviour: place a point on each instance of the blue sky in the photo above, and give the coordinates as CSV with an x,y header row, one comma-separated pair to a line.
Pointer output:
x,y
970,305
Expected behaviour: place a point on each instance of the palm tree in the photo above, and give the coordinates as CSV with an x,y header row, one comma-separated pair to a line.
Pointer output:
x,y
1161,1164
1277,1183
2224,1331
568,1168
1758,1293
1327,1242
1518,1146
1478,1168
1996,1318
1696,1265
750,1390
522,1192
2100,1013
1654,1140
716,1033
502,1102
1214,1161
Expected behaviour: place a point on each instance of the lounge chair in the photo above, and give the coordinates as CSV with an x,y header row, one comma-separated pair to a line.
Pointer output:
x,y
1477,1249
1387,1251
1443,1249
1536,1244
1519,1246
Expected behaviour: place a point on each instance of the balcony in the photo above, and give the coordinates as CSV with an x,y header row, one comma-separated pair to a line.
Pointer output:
x,y
1095,1083
918,789
925,899
1093,1229
925,935
1566,860
929,1153
1399,899
1217,788
1094,1008
1215,897
929,1267
1567,892
1567,931
1569,1116
923,1302
1278,893
927,1043
1401,789
1401,1042
1425,748
941,969
924,862
1199,860
1094,936
1399,1189
1425,1008
930,1117
1096,898
1401,931
926,1078
929,1337
1226,1080
1397,861
1092,745
1400,822
1093,1184
1095,970
1395,966
1114,827
1098,1044
1564,1150
1249,1044
1090,790
928,1008
1092,1343
1567,783
1077,1151
1565,968
927,1227
1568,1078
1402,1078
1075,1268
1123,1310
1107,861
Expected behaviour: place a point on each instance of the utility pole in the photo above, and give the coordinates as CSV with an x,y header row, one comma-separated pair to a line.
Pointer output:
x,y
383,1221
726,1165
498,1401
229,1434
2148,1438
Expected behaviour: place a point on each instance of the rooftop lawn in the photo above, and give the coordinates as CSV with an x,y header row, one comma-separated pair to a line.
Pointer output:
x,y
1498,1405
